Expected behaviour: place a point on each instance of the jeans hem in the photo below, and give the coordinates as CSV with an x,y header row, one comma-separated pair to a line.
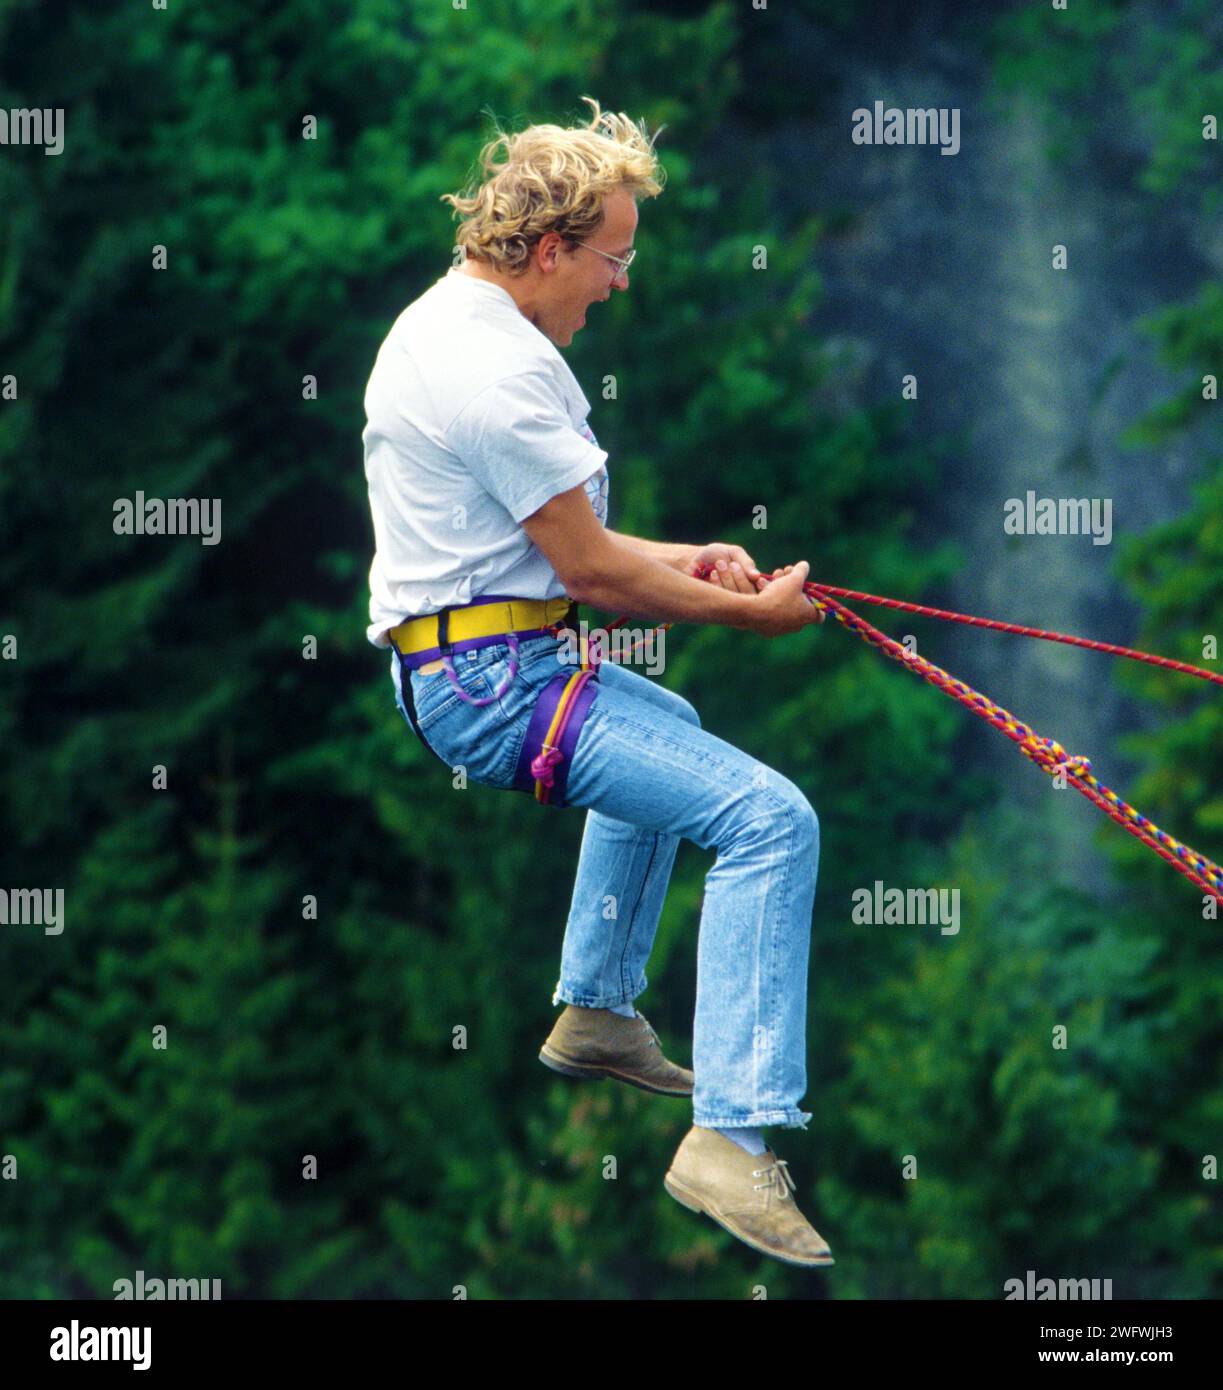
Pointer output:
x,y
593,1001
788,1119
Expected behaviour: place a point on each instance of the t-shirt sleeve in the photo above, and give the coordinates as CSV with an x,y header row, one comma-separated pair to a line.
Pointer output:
x,y
522,448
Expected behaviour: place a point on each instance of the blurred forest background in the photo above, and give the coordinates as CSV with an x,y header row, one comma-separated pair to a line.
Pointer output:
x,y
290,1034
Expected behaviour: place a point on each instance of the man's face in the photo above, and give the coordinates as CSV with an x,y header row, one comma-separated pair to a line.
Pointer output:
x,y
581,277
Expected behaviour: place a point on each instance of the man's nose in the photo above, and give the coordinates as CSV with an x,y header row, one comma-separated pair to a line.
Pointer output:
x,y
620,280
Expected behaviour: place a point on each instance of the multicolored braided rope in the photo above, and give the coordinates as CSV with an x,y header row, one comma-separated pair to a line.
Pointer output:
x,y
1046,753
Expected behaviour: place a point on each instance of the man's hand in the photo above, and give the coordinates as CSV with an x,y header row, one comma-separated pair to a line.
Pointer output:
x,y
734,568
783,605
785,609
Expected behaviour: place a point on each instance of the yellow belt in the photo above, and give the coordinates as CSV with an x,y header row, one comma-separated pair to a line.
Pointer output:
x,y
479,620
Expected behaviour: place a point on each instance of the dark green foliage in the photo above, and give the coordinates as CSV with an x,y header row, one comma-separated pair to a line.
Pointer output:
x,y
439,909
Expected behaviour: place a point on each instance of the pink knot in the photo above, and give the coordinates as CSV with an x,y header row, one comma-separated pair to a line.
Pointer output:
x,y
542,765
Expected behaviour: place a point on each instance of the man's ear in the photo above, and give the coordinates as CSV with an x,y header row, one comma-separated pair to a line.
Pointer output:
x,y
548,250
553,246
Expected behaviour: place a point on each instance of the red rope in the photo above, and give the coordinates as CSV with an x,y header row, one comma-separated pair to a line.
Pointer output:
x,y
1108,647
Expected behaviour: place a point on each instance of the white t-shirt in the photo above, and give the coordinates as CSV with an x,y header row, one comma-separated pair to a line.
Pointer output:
x,y
474,420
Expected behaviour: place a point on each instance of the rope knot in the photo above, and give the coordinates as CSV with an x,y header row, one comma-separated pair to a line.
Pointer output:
x,y
1048,754
542,765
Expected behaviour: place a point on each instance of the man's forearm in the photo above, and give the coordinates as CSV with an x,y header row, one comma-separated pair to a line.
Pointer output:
x,y
674,555
640,586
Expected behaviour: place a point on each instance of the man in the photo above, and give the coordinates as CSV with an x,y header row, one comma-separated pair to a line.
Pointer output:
x,y
488,492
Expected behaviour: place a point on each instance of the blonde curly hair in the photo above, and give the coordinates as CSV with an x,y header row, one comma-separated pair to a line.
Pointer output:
x,y
552,180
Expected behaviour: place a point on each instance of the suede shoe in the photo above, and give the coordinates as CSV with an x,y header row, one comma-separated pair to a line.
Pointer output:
x,y
746,1194
596,1043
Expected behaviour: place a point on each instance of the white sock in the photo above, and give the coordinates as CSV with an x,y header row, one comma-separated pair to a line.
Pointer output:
x,y
625,1010
749,1139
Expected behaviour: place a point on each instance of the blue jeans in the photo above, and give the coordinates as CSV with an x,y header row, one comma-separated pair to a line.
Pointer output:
x,y
648,774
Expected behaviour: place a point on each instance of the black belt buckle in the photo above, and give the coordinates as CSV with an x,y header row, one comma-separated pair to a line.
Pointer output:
x,y
569,620
443,632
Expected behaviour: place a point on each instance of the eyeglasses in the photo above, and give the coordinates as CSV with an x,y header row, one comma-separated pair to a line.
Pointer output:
x,y
622,262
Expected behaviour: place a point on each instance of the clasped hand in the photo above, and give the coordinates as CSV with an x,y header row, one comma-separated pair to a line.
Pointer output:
x,y
734,568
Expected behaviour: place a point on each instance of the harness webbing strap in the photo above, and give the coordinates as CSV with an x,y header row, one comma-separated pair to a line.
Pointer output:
x,y
552,735
556,721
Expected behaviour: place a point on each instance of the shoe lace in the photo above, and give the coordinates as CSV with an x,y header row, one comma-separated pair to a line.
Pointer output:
x,y
653,1035
777,1174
